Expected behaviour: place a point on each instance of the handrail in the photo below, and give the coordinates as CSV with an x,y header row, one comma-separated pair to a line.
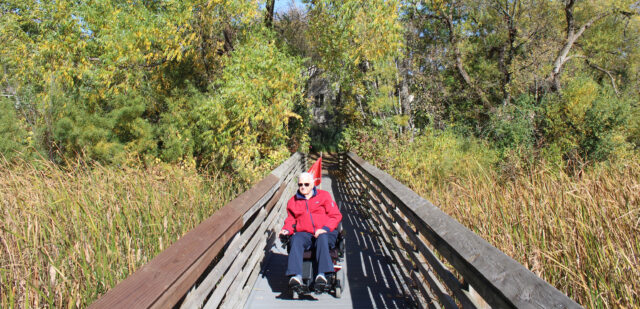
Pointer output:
x,y
414,225
243,226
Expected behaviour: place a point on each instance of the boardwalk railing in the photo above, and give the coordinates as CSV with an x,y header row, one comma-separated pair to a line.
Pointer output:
x,y
215,264
413,230
437,262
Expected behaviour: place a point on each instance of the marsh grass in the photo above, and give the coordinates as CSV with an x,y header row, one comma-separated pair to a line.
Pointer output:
x,y
581,234
580,231
67,235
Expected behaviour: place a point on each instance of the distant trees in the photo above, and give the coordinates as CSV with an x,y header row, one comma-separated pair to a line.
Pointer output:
x,y
359,44
127,83
494,69
472,59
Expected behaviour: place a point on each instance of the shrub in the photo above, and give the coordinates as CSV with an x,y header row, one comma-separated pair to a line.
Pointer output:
x,y
14,139
443,155
587,120
514,125
243,123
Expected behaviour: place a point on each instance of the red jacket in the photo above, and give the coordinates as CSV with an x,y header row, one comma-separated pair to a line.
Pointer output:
x,y
318,212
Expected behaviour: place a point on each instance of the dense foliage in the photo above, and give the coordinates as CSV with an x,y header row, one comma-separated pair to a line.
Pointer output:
x,y
128,82
194,80
557,76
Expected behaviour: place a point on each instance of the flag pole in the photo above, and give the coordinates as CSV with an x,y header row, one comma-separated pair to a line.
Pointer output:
x,y
320,169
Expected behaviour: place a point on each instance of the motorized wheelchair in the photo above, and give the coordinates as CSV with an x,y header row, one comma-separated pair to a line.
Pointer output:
x,y
335,280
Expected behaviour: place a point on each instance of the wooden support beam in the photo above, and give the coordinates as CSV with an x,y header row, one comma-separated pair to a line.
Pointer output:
x,y
445,275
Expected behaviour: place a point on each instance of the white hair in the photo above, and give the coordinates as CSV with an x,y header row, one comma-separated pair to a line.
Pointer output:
x,y
306,175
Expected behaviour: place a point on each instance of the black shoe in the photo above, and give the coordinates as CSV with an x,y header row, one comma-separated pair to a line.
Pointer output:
x,y
320,283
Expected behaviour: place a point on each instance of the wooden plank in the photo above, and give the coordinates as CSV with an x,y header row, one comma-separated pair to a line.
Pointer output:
x,y
394,229
166,278
259,204
236,272
444,274
276,197
499,279
390,228
218,294
233,294
246,291
196,298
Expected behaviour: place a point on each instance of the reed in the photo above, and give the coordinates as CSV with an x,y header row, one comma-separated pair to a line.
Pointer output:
x,y
68,235
579,232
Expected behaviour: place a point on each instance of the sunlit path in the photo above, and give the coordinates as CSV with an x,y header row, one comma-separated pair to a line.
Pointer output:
x,y
370,280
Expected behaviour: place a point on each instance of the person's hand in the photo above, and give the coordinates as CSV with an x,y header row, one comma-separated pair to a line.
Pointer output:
x,y
283,233
320,232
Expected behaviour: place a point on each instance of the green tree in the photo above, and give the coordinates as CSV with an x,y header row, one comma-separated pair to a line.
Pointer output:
x,y
358,43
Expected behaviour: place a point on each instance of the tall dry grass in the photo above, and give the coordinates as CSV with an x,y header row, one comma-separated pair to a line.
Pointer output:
x,y
68,235
581,232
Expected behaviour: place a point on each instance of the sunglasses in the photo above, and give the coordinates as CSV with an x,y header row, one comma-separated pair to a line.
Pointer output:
x,y
304,184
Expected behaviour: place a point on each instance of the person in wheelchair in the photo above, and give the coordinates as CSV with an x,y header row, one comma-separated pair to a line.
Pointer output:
x,y
312,220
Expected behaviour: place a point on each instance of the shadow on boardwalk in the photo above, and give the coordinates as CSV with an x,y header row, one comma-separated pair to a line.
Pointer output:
x,y
370,281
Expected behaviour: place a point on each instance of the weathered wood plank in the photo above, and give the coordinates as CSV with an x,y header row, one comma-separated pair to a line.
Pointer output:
x,y
233,294
390,228
218,294
197,297
499,279
246,291
394,229
236,275
166,279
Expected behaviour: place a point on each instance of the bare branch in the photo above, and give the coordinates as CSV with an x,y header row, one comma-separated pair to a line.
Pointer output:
x,y
571,37
601,69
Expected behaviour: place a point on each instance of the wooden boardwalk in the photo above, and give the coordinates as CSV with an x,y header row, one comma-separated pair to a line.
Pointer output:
x,y
401,252
369,275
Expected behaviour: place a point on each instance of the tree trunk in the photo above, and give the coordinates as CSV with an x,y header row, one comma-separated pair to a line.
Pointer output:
x,y
572,36
405,98
268,19
453,40
508,50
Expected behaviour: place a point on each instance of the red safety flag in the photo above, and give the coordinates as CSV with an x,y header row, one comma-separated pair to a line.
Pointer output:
x,y
316,171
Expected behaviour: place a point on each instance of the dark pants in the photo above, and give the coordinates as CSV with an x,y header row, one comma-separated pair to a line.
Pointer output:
x,y
302,241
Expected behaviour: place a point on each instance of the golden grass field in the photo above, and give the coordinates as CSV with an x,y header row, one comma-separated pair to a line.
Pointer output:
x,y
581,234
68,235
